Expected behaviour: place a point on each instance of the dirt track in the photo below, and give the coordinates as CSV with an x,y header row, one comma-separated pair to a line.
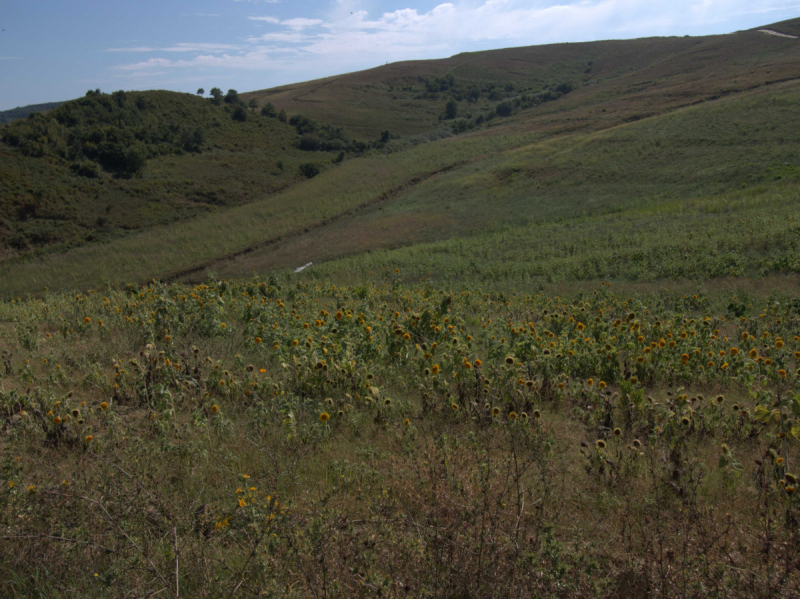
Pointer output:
x,y
771,32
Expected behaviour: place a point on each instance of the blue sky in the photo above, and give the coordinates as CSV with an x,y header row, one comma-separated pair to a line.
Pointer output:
x,y
56,50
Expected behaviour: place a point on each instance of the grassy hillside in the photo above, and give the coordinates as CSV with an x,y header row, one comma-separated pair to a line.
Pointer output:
x,y
699,155
104,164
704,168
621,79
649,121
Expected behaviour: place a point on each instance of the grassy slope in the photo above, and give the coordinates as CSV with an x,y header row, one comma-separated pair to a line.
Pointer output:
x,y
43,202
651,75
553,149
590,190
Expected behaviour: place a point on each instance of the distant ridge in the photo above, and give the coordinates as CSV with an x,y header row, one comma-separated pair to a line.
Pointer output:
x,y
21,112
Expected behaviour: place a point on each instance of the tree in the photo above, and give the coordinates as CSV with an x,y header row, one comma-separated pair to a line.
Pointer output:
x,y
268,110
309,170
253,104
282,116
135,159
385,136
200,91
451,109
232,97
240,114
216,95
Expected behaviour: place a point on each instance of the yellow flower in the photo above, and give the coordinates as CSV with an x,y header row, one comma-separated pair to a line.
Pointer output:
x,y
89,438
406,422
512,416
590,382
754,353
435,369
324,417
477,363
214,409
87,320
57,420
495,411
454,407
104,406
258,340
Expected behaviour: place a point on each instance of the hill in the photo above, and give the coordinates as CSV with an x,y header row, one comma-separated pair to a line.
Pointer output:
x,y
625,80
21,112
626,131
105,164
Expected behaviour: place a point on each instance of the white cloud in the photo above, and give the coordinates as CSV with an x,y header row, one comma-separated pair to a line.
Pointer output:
x,y
205,14
288,37
296,24
183,47
259,58
300,23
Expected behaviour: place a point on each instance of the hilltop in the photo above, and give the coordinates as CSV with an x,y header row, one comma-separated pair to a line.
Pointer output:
x,y
623,79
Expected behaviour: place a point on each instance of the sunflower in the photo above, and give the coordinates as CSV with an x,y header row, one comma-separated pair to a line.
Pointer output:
x,y
600,444
495,411
324,417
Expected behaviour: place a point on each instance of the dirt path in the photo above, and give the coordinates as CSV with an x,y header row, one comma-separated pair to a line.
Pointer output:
x,y
771,32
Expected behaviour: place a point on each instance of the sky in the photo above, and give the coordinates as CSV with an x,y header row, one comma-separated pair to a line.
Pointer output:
x,y
52,50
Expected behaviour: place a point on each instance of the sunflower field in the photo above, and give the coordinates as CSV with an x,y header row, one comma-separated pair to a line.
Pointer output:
x,y
288,438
